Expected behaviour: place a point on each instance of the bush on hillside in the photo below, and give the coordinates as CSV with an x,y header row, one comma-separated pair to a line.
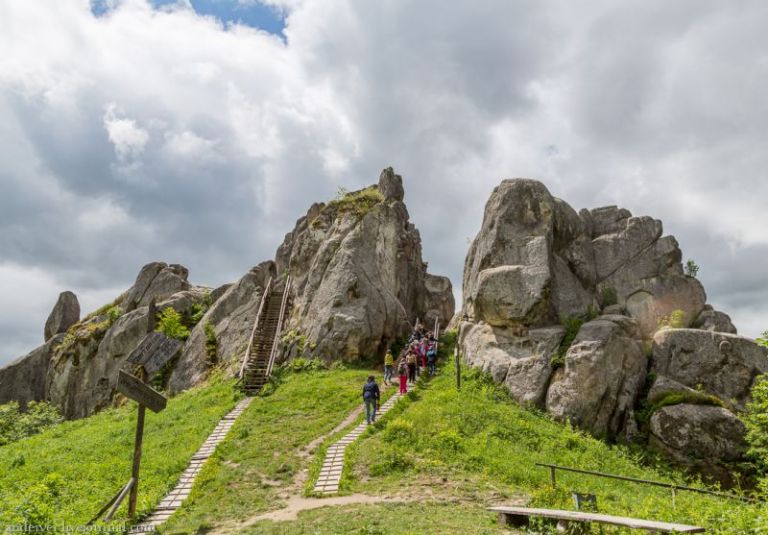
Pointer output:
x,y
171,324
15,424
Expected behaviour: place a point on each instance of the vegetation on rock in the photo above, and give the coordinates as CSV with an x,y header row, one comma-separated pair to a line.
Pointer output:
x,y
16,424
170,323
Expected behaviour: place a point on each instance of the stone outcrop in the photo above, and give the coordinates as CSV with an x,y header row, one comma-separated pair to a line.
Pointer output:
x,y
232,315
23,380
158,281
358,284
602,374
65,313
358,276
537,264
721,364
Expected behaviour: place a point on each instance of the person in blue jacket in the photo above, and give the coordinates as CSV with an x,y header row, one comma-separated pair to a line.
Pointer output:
x,y
371,396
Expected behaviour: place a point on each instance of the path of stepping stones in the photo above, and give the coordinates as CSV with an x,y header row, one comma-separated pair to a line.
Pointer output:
x,y
176,497
330,473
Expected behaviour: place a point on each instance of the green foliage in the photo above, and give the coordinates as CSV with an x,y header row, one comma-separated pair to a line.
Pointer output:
x,y
478,446
608,296
301,364
643,416
43,477
572,325
211,343
15,424
674,320
763,339
691,268
358,203
197,312
266,447
170,323
756,420
113,313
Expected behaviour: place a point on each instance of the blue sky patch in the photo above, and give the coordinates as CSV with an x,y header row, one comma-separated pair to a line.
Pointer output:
x,y
251,12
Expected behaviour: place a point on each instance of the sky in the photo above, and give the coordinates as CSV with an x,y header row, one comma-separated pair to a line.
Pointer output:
x,y
197,132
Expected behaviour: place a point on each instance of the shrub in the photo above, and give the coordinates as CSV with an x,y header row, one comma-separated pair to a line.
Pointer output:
x,y
15,424
304,365
756,420
399,430
763,339
358,203
674,320
211,344
572,325
691,268
608,296
114,312
170,323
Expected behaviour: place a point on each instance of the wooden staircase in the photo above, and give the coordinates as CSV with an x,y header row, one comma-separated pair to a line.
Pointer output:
x,y
262,348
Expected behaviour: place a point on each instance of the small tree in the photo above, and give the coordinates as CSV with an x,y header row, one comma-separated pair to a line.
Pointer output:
x,y
756,420
691,268
763,339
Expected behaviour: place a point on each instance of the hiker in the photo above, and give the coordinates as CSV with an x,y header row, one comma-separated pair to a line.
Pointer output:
x,y
410,360
432,358
423,348
402,372
371,398
389,362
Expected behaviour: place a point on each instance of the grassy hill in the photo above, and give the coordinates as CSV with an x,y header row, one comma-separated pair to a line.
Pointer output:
x,y
432,465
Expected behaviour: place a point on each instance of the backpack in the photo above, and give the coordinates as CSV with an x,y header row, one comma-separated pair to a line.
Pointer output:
x,y
369,390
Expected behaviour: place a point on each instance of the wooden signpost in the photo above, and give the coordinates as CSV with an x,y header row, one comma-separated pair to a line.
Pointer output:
x,y
152,353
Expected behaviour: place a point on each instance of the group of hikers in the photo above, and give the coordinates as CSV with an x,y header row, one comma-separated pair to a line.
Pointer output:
x,y
418,356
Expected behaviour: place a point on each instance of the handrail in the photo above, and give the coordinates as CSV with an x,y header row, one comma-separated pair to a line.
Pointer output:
x,y
279,328
264,297
553,467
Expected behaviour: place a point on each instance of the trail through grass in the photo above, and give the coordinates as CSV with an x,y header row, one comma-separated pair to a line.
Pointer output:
x,y
65,474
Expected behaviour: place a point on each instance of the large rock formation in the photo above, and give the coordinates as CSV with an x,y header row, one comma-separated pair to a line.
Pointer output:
x,y
537,264
65,313
358,283
358,276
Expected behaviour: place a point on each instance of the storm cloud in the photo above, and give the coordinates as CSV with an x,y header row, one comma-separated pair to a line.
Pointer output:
x,y
144,133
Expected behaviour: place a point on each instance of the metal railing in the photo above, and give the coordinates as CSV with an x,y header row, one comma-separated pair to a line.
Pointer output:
x,y
674,488
279,328
246,356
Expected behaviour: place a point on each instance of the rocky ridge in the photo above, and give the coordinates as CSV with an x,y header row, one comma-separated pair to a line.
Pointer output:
x,y
359,282
587,314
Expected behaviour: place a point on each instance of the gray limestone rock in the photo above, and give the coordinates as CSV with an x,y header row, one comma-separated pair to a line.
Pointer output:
x,y
65,313
23,380
391,185
603,371
724,365
156,280
714,320
688,432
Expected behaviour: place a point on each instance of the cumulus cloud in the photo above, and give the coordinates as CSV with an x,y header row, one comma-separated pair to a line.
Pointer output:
x,y
162,134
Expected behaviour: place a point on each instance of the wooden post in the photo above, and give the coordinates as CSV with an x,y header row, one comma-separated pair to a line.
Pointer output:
x,y
673,497
136,462
552,476
458,367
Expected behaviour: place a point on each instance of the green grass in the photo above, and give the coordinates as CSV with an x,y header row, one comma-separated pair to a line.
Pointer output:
x,y
66,473
259,459
424,518
479,447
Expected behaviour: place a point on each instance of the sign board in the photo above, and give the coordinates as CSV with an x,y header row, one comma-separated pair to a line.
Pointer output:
x,y
154,351
132,387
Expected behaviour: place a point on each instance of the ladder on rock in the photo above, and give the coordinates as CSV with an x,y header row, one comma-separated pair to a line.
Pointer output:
x,y
263,346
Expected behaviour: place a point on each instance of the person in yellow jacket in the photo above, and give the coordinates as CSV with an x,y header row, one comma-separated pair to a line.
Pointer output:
x,y
389,364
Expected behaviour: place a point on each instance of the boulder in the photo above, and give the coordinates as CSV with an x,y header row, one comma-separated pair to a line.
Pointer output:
x,y
664,386
520,359
158,281
509,295
721,364
65,313
612,251
439,301
688,432
714,320
603,372
659,297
